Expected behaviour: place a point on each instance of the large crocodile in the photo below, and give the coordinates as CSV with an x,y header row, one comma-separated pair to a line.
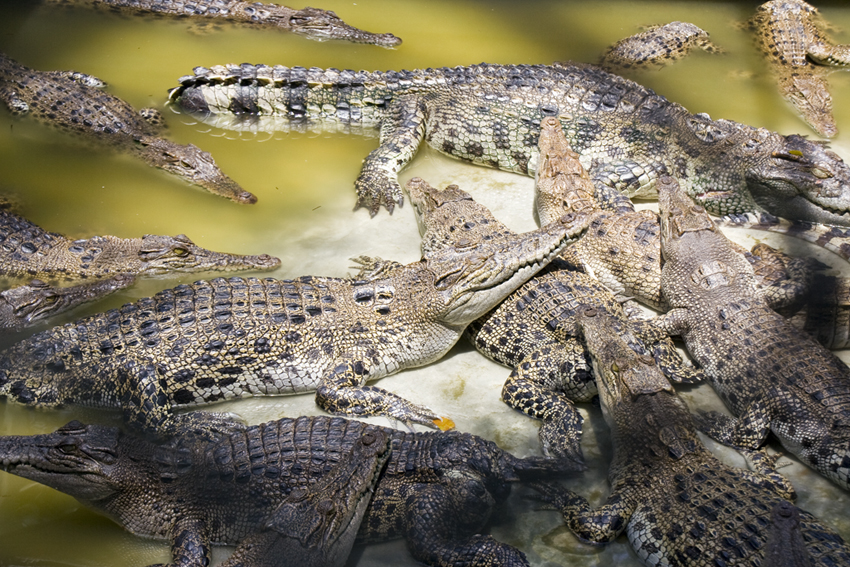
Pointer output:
x,y
676,502
231,338
309,22
789,35
771,376
76,103
533,330
626,134
656,47
437,490
27,250
27,305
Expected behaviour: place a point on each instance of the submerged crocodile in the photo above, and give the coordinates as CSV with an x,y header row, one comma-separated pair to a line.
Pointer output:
x,y
676,502
627,135
231,338
27,250
27,305
309,22
533,330
76,103
657,46
437,490
788,32
771,376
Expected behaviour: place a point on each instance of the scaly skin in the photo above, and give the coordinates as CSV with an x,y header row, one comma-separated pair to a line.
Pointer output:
x,y
771,376
656,47
75,102
312,23
437,490
27,250
788,33
224,339
785,545
676,502
533,331
26,305
490,115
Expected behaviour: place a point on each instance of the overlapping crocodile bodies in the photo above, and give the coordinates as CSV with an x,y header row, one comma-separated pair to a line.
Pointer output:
x,y
490,115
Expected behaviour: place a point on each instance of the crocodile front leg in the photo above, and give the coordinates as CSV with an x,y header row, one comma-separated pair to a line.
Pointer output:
x,y
190,546
748,431
434,524
543,385
342,391
599,526
401,133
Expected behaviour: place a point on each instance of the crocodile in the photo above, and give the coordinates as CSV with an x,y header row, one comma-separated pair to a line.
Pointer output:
x,y
676,502
76,103
230,338
437,489
626,134
26,305
789,33
656,47
312,23
27,250
533,330
768,374
785,546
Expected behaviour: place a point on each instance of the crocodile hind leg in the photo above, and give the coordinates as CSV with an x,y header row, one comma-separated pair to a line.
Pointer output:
x,y
189,545
401,133
433,528
342,391
544,384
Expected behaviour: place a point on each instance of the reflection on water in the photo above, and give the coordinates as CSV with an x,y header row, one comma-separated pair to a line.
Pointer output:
x,y
304,182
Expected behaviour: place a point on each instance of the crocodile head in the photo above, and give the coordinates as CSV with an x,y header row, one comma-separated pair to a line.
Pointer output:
x,y
678,213
472,280
324,24
79,460
37,300
800,180
160,254
192,164
450,217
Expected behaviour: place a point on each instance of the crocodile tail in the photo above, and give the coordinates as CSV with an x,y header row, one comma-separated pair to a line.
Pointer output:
x,y
290,92
834,238
538,468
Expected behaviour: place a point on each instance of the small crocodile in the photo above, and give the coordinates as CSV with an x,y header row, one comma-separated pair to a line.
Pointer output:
x,y
27,250
677,503
771,376
231,338
627,135
76,103
533,330
27,305
437,490
789,34
309,22
656,47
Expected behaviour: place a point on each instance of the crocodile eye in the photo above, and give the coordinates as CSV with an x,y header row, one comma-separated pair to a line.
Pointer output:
x,y
615,367
68,448
180,252
820,173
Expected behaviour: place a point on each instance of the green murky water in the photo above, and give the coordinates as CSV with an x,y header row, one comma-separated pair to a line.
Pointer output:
x,y
304,184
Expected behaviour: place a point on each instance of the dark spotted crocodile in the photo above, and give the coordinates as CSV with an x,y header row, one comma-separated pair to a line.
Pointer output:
x,y
309,22
789,35
771,376
27,305
533,330
437,489
27,250
231,338
76,103
676,502
656,47
627,135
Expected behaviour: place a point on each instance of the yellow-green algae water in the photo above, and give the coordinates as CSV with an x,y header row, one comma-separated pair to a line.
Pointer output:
x,y
304,215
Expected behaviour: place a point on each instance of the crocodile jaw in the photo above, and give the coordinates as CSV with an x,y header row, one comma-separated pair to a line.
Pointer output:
x,y
323,24
474,281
